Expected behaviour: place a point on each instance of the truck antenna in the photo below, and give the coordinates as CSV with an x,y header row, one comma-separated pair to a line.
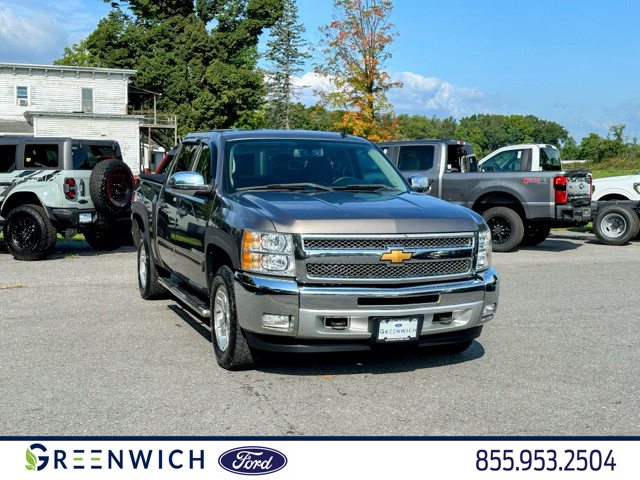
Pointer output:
x,y
343,133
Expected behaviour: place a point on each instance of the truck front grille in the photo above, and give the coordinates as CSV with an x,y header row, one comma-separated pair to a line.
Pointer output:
x,y
381,270
385,243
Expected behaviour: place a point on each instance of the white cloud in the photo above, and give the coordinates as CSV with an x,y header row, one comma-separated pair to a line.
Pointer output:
x,y
419,95
30,38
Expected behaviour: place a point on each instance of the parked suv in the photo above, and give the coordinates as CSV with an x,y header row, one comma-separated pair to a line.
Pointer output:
x,y
521,191
62,185
310,242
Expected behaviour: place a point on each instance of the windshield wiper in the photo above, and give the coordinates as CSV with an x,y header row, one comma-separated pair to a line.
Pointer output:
x,y
287,186
364,186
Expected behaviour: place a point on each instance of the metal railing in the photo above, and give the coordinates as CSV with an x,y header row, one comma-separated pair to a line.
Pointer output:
x,y
151,118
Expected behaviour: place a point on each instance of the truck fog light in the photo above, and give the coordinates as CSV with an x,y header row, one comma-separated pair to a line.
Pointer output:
x,y
281,322
489,311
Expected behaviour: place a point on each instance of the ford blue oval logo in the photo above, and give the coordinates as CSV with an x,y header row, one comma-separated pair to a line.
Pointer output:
x,y
252,460
398,325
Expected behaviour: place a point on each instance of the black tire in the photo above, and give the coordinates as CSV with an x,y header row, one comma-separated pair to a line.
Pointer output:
x,y
454,348
148,274
535,234
236,353
29,233
616,225
104,236
111,187
507,228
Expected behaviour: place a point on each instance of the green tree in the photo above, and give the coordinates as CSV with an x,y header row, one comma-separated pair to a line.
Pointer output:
x,y
208,76
356,46
286,53
415,127
569,150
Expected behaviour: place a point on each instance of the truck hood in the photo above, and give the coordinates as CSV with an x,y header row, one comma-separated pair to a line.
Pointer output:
x,y
349,212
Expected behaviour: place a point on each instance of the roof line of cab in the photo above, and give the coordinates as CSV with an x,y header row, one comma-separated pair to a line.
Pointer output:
x,y
273,134
425,141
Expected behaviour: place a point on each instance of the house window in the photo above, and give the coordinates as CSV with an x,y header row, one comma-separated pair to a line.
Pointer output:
x,y
87,100
22,96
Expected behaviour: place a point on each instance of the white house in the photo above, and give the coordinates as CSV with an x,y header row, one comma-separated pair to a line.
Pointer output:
x,y
61,101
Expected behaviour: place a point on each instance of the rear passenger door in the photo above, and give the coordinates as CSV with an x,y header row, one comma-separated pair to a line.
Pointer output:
x,y
192,217
8,155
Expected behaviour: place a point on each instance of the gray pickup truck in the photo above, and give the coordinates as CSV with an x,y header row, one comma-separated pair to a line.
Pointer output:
x,y
521,190
310,242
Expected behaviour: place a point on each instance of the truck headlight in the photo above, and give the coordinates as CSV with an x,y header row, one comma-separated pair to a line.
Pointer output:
x,y
268,252
636,187
484,249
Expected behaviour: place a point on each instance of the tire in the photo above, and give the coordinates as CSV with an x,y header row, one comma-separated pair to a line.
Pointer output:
x,y
104,236
507,228
535,234
454,348
29,233
148,274
616,225
111,187
230,346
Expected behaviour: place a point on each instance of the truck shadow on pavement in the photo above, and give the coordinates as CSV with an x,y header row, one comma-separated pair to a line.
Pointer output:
x,y
73,250
351,363
553,245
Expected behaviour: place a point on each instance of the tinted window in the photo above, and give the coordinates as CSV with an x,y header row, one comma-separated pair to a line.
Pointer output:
x,y
458,157
7,158
258,163
41,156
88,156
418,157
550,159
204,166
509,161
185,158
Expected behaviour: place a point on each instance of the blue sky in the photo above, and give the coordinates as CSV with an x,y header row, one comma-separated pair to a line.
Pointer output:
x,y
575,62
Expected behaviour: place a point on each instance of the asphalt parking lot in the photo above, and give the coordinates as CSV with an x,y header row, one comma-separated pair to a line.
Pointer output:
x,y
82,354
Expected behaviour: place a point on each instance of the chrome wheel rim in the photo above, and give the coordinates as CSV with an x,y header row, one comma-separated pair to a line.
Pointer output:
x,y
142,266
221,318
613,225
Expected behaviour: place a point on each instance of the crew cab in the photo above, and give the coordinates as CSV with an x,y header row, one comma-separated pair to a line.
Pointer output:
x,y
62,185
310,242
521,191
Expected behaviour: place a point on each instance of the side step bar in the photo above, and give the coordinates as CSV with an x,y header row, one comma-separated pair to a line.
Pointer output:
x,y
197,305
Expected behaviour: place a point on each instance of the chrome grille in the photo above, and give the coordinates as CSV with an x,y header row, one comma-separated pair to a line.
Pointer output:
x,y
381,270
385,243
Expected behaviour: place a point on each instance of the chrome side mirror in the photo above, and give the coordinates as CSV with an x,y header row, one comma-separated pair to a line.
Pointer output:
x,y
190,181
419,183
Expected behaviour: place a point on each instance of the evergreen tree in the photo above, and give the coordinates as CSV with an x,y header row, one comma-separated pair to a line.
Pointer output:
x,y
286,52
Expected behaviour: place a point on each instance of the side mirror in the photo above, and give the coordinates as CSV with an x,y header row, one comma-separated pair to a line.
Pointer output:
x,y
189,181
419,183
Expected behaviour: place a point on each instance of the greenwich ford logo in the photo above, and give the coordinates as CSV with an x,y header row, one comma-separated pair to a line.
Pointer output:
x,y
252,460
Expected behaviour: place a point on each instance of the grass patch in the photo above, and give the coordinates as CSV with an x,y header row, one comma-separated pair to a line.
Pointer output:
x,y
612,173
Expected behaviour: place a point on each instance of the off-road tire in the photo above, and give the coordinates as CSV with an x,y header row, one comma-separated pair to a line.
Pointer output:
x,y
104,236
627,218
238,355
535,234
29,233
507,228
111,187
150,288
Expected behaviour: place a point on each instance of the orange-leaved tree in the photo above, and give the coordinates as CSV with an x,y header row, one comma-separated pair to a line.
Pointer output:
x,y
356,46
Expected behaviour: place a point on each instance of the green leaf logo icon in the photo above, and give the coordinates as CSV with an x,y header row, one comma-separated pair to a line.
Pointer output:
x,y
32,460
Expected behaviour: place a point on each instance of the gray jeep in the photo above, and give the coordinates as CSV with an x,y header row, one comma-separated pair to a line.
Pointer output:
x,y
62,185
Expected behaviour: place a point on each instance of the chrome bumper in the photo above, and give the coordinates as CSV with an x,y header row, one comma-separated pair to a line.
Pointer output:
x,y
308,306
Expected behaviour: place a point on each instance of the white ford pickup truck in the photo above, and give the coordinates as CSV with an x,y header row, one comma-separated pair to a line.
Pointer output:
x,y
626,187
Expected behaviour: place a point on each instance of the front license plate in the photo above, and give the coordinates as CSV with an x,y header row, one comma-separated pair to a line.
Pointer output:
x,y
398,329
85,218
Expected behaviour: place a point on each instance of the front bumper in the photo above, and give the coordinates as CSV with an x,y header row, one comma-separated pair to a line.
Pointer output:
x,y
452,311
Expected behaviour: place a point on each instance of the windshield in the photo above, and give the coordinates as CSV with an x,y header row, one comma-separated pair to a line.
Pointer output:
x,y
550,159
332,164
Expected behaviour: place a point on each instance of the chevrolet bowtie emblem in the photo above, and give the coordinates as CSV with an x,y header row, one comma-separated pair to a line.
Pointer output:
x,y
396,256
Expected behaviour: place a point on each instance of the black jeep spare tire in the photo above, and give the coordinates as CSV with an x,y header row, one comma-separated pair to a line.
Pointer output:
x,y
111,187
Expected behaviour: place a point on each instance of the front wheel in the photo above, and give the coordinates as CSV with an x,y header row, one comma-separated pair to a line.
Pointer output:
x,y
148,275
616,225
29,233
230,346
507,228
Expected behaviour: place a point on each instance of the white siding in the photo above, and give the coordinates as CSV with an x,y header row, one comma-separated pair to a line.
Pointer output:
x,y
125,131
60,91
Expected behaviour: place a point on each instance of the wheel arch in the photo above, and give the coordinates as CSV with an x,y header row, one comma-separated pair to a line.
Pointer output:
x,y
22,198
220,249
499,199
